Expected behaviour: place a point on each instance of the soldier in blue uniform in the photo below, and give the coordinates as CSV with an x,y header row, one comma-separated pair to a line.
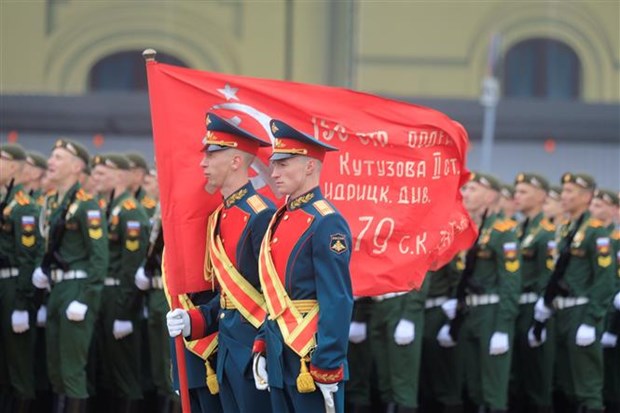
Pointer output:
x,y
235,232
301,350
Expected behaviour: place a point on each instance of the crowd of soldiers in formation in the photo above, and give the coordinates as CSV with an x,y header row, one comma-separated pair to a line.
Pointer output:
x,y
525,321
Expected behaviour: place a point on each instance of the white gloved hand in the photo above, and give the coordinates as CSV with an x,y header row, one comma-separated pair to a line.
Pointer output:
x,y
404,333
259,370
328,390
444,338
499,344
531,339
357,332
20,321
449,308
122,328
617,301
541,311
76,311
141,280
42,316
178,322
609,340
585,335
39,279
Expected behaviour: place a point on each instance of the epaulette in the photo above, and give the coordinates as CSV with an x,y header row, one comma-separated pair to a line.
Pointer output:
x,y
256,203
21,198
323,207
129,204
102,203
82,195
595,223
547,225
504,225
148,202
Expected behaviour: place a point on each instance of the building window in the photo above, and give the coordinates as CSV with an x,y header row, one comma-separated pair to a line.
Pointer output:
x,y
124,71
542,68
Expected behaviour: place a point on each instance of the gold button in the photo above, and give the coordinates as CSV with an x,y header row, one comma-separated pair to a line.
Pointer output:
x,y
222,315
285,217
245,218
223,215
309,220
273,241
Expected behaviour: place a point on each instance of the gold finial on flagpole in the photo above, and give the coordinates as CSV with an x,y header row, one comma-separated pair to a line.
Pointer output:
x,y
149,55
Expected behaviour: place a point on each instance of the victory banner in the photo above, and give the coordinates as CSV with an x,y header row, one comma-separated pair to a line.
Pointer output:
x,y
396,177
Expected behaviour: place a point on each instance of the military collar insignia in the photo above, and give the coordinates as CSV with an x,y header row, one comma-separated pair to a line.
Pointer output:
x,y
300,200
235,197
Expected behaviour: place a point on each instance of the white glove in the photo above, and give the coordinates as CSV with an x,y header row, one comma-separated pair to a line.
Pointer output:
x,y
444,338
499,344
259,370
541,311
328,391
617,301
178,322
20,321
585,335
609,340
122,328
404,333
531,339
142,281
76,311
449,308
42,316
39,279
357,332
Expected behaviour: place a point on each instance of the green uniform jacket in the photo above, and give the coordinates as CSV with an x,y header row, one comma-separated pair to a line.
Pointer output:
x,y
84,244
21,244
591,270
149,204
443,282
497,268
128,235
538,249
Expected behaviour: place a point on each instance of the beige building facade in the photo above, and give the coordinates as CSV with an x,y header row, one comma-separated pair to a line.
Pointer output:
x,y
402,48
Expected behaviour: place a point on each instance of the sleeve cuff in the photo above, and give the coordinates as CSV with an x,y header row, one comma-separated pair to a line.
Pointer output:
x,y
197,323
327,376
259,347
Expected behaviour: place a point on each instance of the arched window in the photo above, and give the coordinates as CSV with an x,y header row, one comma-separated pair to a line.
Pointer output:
x,y
542,68
124,71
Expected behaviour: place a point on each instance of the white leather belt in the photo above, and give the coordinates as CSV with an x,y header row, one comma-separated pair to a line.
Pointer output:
x,y
482,299
8,273
435,301
111,282
379,298
60,275
561,303
528,298
157,283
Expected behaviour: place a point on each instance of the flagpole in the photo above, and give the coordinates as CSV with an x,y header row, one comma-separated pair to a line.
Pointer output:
x,y
179,345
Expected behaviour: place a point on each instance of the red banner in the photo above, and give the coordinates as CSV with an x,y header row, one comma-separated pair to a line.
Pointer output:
x,y
396,178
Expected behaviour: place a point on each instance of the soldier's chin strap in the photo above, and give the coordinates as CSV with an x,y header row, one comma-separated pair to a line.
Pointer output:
x,y
108,210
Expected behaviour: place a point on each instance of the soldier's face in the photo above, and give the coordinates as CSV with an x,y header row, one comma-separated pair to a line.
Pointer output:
x,y
602,210
151,186
7,170
476,197
552,207
216,166
528,197
290,174
574,198
62,165
104,179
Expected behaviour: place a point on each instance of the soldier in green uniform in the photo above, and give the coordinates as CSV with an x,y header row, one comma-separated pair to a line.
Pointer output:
x,y
138,170
395,346
585,292
492,298
34,169
552,208
359,356
73,267
441,375
532,367
121,309
20,247
605,207
507,205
